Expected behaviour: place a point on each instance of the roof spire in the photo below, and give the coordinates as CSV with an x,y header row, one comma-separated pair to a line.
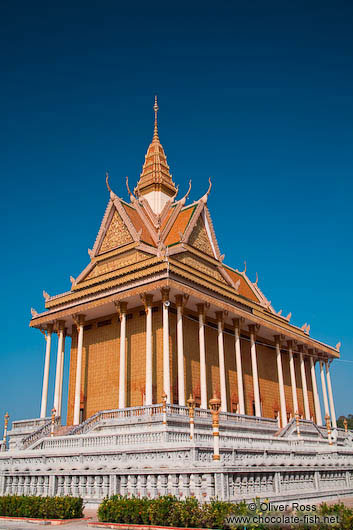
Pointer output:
x,y
155,108
155,180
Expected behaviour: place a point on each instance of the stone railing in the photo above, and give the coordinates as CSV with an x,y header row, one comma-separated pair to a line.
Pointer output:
x,y
149,411
160,436
42,432
202,484
100,417
28,424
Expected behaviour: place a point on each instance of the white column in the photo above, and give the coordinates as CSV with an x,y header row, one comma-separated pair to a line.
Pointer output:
x,y
180,345
203,383
58,365
43,408
330,396
304,387
122,355
324,392
239,369
80,322
282,397
62,374
166,362
315,393
255,377
222,371
292,378
149,366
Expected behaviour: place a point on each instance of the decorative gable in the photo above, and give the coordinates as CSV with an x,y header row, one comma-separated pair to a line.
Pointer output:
x,y
199,238
116,235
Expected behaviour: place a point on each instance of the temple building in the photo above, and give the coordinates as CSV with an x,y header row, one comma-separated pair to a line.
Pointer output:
x,y
157,310
183,378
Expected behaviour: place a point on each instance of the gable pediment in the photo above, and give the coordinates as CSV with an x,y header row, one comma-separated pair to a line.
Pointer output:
x,y
116,234
200,239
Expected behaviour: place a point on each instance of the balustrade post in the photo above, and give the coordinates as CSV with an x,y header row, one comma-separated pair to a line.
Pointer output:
x,y
191,406
215,404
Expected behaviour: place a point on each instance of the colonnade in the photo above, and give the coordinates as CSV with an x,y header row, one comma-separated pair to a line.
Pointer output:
x,y
180,300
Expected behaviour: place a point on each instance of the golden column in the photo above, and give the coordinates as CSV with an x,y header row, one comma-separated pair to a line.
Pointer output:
x,y
215,404
191,406
53,414
164,408
345,424
6,423
328,427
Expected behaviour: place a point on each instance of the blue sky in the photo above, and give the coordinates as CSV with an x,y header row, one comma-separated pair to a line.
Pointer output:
x,y
256,94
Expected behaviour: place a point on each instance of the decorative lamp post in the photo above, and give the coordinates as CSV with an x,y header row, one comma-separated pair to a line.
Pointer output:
x,y
296,415
6,422
215,404
53,414
328,427
191,406
345,424
164,407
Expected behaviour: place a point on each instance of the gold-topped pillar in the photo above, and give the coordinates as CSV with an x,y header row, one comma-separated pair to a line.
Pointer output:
x,y
43,408
255,377
166,362
236,322
222,371
58,375
215,404
282,397
203,383
79,324
179,300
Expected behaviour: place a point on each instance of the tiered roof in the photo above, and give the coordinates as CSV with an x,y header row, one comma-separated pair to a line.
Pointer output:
x,y
135,245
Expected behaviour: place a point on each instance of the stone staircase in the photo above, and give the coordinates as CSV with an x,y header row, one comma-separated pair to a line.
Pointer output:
x,y
62,430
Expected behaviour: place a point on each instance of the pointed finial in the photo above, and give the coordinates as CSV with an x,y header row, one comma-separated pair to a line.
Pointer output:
x,y
155,108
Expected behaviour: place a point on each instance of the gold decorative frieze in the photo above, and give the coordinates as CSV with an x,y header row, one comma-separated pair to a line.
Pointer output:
x,y
201,266
199,238
115,264
117,234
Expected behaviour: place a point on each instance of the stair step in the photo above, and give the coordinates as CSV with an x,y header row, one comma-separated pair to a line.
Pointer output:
x,y
62,430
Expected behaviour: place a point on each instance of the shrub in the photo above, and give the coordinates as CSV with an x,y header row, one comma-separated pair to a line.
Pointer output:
x,y
190,513
41,507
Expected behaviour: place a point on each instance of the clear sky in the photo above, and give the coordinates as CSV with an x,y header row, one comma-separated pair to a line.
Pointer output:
x,y
256,94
